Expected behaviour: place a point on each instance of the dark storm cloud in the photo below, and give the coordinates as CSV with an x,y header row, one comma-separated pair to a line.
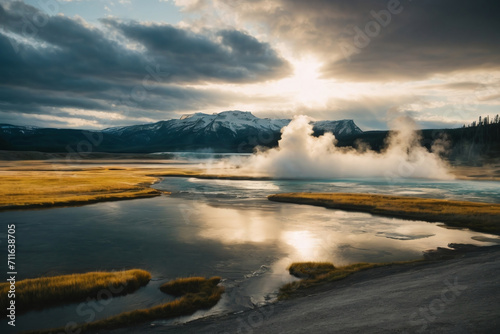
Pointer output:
x,y
416,40
49,62
235,57
27,99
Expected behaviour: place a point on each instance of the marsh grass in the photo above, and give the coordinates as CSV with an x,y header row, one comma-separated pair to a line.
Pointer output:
x,y
35,184
31,189
38,293
182,286
482,217
310,269
199,293
318,273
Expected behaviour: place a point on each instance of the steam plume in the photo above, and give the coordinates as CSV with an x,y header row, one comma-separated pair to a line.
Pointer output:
x,y
301,155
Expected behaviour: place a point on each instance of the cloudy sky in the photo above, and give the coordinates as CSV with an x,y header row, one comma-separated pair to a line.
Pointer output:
x,y
94,64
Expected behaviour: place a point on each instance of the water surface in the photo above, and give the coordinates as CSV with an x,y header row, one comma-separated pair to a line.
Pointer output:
x,y
226,228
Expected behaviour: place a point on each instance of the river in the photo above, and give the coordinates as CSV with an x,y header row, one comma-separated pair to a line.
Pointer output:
x,y
226,228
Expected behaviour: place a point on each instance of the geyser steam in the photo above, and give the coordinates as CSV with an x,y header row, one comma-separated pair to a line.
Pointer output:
x,y
301,155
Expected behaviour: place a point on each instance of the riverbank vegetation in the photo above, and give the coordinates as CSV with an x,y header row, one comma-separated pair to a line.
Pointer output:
x,y
36,184
197,293
313,274
482,217
23,189
38,293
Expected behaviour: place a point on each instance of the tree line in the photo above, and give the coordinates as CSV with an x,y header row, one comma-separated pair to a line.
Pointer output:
x,y
484,121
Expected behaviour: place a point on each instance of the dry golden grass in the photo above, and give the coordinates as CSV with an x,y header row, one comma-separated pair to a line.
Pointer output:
x,y
310,269
25,189
38,184
483,217
318,273
182,286
43,292
206,296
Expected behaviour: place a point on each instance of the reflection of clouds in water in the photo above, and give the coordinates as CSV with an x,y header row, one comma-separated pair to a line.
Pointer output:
x,y
408,192
399,236
242,184
345,184
234,226
258,189
306,245
492,239
307,233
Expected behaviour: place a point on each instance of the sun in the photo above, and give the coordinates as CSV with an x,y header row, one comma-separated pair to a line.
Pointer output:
x,y
306,85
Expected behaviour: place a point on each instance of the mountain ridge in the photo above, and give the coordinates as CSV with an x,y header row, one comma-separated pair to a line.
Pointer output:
x,y
238,118
227,131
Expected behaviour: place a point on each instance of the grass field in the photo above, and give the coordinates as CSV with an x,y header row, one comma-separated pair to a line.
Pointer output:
x,y
31,189
38,293
482,217
197,293
40,184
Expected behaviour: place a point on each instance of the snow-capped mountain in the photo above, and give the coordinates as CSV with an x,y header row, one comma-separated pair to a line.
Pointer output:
x,y
228,128
228,131
13,129
234,121
340,129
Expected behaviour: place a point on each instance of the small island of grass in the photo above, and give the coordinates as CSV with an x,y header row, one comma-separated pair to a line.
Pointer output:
x,y
481,217
196,293
183,286
314,274
38,293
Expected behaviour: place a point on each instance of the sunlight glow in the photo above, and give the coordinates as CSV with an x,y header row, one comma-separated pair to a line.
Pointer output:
x,y
306,245
305,84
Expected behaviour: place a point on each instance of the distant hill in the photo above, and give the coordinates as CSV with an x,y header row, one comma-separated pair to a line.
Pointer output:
x,y
467,143
228,131
232,131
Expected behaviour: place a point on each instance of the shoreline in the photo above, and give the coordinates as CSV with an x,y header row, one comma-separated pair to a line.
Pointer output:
x,y
75,203
41,189
140,181
42,186
116,183
37,185
377,300
477,216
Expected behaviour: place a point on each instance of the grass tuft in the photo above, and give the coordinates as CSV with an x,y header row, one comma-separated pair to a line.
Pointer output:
x,y
182,286
205,296
318,273
310,269
38,293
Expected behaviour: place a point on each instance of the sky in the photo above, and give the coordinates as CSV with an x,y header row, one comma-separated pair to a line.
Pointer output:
x,y
92,64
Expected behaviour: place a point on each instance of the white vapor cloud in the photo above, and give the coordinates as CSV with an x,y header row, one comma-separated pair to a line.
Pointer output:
x,y
300,155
